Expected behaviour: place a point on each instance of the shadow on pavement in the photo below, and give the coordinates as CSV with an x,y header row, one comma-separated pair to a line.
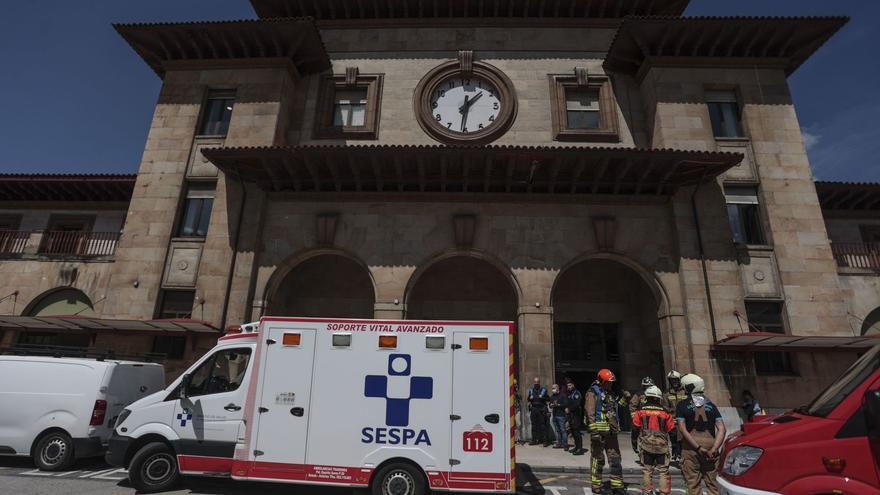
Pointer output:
x,y
527,482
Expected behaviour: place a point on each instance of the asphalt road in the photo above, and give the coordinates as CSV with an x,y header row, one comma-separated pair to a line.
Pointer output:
x,y
92,477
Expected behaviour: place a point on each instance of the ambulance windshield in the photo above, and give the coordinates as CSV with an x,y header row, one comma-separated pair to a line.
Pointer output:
x,y
843,386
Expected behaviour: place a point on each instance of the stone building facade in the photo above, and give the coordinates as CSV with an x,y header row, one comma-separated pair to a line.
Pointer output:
x,y
643,196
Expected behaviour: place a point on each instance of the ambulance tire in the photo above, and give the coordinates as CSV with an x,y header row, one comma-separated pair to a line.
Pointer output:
x,y
399,478
54,451
153,468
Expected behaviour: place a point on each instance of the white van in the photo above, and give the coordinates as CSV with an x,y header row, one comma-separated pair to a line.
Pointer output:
x,y
402,407
58,410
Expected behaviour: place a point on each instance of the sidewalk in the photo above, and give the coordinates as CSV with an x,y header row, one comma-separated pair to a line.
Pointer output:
x,y
550,460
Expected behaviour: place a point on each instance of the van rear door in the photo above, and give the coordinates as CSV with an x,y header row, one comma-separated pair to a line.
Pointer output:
x,y
480,437
283,399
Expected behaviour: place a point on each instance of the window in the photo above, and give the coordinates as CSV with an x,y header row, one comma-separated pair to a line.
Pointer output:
x,y
724,113
222,372
67,235
197,210
176,303
172,346
348,106
217,113
583,108
767,317
54,339
870,233
744,215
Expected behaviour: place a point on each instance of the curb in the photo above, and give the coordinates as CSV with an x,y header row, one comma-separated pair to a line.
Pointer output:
x,y
571,470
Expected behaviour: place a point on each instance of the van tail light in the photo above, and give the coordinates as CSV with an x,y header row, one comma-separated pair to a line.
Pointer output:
x,y
834,465
98,413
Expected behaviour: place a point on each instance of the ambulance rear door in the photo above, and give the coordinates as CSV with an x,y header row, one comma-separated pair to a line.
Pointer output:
x,y
480,433
283,399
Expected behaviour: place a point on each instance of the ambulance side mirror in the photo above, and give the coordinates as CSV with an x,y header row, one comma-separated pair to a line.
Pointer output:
x,y
184,385
872,412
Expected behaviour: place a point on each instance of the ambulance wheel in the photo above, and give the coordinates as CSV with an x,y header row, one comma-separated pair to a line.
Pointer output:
x,y
399,479
54,451
153,468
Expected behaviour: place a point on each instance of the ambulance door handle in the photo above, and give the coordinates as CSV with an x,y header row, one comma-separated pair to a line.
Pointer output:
x,y
232,407
297,411
492,418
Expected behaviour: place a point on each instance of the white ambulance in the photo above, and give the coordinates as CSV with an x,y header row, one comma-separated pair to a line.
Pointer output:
x,y
401,407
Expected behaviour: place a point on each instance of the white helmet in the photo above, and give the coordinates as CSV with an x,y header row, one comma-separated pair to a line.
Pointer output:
x,y
673,375
693,384
654,391
647,382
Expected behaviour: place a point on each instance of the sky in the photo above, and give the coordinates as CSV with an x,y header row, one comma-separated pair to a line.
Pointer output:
x,y
78,99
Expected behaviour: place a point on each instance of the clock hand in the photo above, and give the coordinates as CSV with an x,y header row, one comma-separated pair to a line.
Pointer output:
x,y
464,106
467,104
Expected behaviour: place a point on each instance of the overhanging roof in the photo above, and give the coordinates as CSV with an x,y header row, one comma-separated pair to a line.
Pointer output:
x,y
66,187
293,39
397,9
471,169
849,195
81,323
783,41
768,342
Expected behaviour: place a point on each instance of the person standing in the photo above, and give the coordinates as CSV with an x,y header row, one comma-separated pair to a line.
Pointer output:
x,y
636,402
674,394
750,406
604,425
558,402
538,413
654,424
702,433
574,410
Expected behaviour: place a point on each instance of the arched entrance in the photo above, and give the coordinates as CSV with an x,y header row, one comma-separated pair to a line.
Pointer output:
x,y
61,301
461,287
871,325
325,285
605,315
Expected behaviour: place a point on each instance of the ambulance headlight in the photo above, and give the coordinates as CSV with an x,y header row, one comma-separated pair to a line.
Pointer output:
x,y
122,417
741,459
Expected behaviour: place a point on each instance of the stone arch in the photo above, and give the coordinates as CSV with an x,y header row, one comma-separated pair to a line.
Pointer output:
x,y
60,301
463,284
321,283
871,323
607,313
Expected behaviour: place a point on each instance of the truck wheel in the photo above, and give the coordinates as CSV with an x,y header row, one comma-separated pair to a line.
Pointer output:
x,y
399,479
153,468
54,451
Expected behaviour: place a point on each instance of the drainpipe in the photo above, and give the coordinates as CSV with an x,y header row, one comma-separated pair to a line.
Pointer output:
x,y
234,250
703,261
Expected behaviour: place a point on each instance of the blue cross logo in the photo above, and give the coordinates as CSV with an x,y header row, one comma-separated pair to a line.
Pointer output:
x,y
397,408
184,417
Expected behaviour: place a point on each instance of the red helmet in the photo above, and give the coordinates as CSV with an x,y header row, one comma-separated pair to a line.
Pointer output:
x,y
606,375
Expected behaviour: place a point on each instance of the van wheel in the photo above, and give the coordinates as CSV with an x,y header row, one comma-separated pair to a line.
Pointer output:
x,y
153,468
399,479
54,451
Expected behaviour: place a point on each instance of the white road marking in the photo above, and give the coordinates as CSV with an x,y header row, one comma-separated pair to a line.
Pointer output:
x,y
109,476
96,473
67,472
37,472
555,490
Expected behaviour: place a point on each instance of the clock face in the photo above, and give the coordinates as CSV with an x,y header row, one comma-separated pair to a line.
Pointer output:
x,y
465,105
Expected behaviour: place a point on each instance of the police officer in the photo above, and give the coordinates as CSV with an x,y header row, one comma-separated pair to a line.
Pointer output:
x,y
538,413
674,394
637,402
574,411
604,425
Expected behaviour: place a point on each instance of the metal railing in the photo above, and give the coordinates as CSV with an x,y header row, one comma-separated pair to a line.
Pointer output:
x,y
13,241
857,254
79,243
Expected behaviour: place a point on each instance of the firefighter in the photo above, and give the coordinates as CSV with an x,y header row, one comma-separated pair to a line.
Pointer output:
x,y
654,424
538,413
574,411
674,394
702,433
636,402
604,425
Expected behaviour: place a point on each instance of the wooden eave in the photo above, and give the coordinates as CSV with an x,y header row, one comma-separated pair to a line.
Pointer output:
x,y
470,169
335,10
849,196
785,42
296,40
66,187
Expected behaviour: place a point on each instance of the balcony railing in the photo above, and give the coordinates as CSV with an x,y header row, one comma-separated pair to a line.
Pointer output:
x,y
864,255
13,241
61,243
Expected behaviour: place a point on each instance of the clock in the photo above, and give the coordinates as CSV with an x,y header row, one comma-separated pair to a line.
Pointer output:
x,y
465,107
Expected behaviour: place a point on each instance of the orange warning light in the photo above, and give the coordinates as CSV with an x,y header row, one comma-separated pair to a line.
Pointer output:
x,y
388,341
292,339
479,343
